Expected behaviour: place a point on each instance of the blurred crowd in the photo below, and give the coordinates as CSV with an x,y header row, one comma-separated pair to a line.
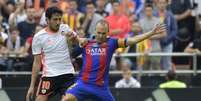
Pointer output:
x,y
21,19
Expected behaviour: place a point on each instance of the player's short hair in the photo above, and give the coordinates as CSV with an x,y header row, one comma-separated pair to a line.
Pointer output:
x,y
104,23
52,10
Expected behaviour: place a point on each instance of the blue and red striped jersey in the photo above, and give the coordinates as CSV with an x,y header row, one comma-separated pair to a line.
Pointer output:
x,y
96,61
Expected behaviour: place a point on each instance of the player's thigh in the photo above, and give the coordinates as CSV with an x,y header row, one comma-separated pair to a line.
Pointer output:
x,y
65,82
69,97
79,91
42,98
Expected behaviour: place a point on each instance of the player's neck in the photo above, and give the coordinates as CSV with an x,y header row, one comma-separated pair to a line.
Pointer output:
x,y
49,30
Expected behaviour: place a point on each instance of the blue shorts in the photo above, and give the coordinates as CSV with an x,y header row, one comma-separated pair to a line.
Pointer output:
x,y
84,91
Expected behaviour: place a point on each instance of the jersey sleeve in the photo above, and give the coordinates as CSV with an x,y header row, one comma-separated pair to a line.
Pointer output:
x,y
36,46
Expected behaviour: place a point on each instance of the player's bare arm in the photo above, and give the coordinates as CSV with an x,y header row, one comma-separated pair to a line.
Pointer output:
x,y
75,38
35,72
159,29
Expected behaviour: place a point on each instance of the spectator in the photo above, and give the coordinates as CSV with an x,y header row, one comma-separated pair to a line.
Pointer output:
x,y
82,4
147,22
139,5
127,6
141,47
108,6
3,35
90,19
7,8
172,82
26,28
182,11
132,6
195,47
171,24
119,23
73,16
100,8
135,30
49,3
127,80
27,54
3,65
18,16
14,45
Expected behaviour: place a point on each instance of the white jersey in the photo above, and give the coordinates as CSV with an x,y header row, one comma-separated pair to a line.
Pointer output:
x,y
54,52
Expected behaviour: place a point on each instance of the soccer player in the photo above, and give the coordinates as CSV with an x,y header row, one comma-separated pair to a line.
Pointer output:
x,y
93,79
50,49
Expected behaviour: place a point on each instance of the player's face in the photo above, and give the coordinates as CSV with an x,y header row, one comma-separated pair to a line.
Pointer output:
x,y
101,33
54,22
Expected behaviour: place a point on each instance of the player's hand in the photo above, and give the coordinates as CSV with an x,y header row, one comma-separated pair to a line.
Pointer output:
x,y
83,42
71,36
30,94
160,28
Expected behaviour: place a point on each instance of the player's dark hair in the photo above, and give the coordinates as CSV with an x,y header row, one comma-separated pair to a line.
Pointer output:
x,y
52,10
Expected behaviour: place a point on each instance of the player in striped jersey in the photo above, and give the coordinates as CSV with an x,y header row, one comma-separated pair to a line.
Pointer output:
x,y
93,79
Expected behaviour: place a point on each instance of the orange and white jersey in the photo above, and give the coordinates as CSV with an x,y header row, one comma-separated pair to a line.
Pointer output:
x,y
54,51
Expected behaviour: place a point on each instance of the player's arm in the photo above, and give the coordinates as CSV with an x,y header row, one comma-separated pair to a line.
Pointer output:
x,y
160,28
35,72
73,36
37,47
35,69
76,39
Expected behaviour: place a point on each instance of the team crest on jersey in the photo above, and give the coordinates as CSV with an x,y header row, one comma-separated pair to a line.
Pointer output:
x,y
43,91
96,51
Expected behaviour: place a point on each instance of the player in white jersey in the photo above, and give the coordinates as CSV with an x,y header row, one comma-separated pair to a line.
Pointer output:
x,y
50,50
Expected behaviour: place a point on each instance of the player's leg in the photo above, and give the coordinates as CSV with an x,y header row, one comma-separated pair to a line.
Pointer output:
x,y
66,81
77,92
69,97
42,98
